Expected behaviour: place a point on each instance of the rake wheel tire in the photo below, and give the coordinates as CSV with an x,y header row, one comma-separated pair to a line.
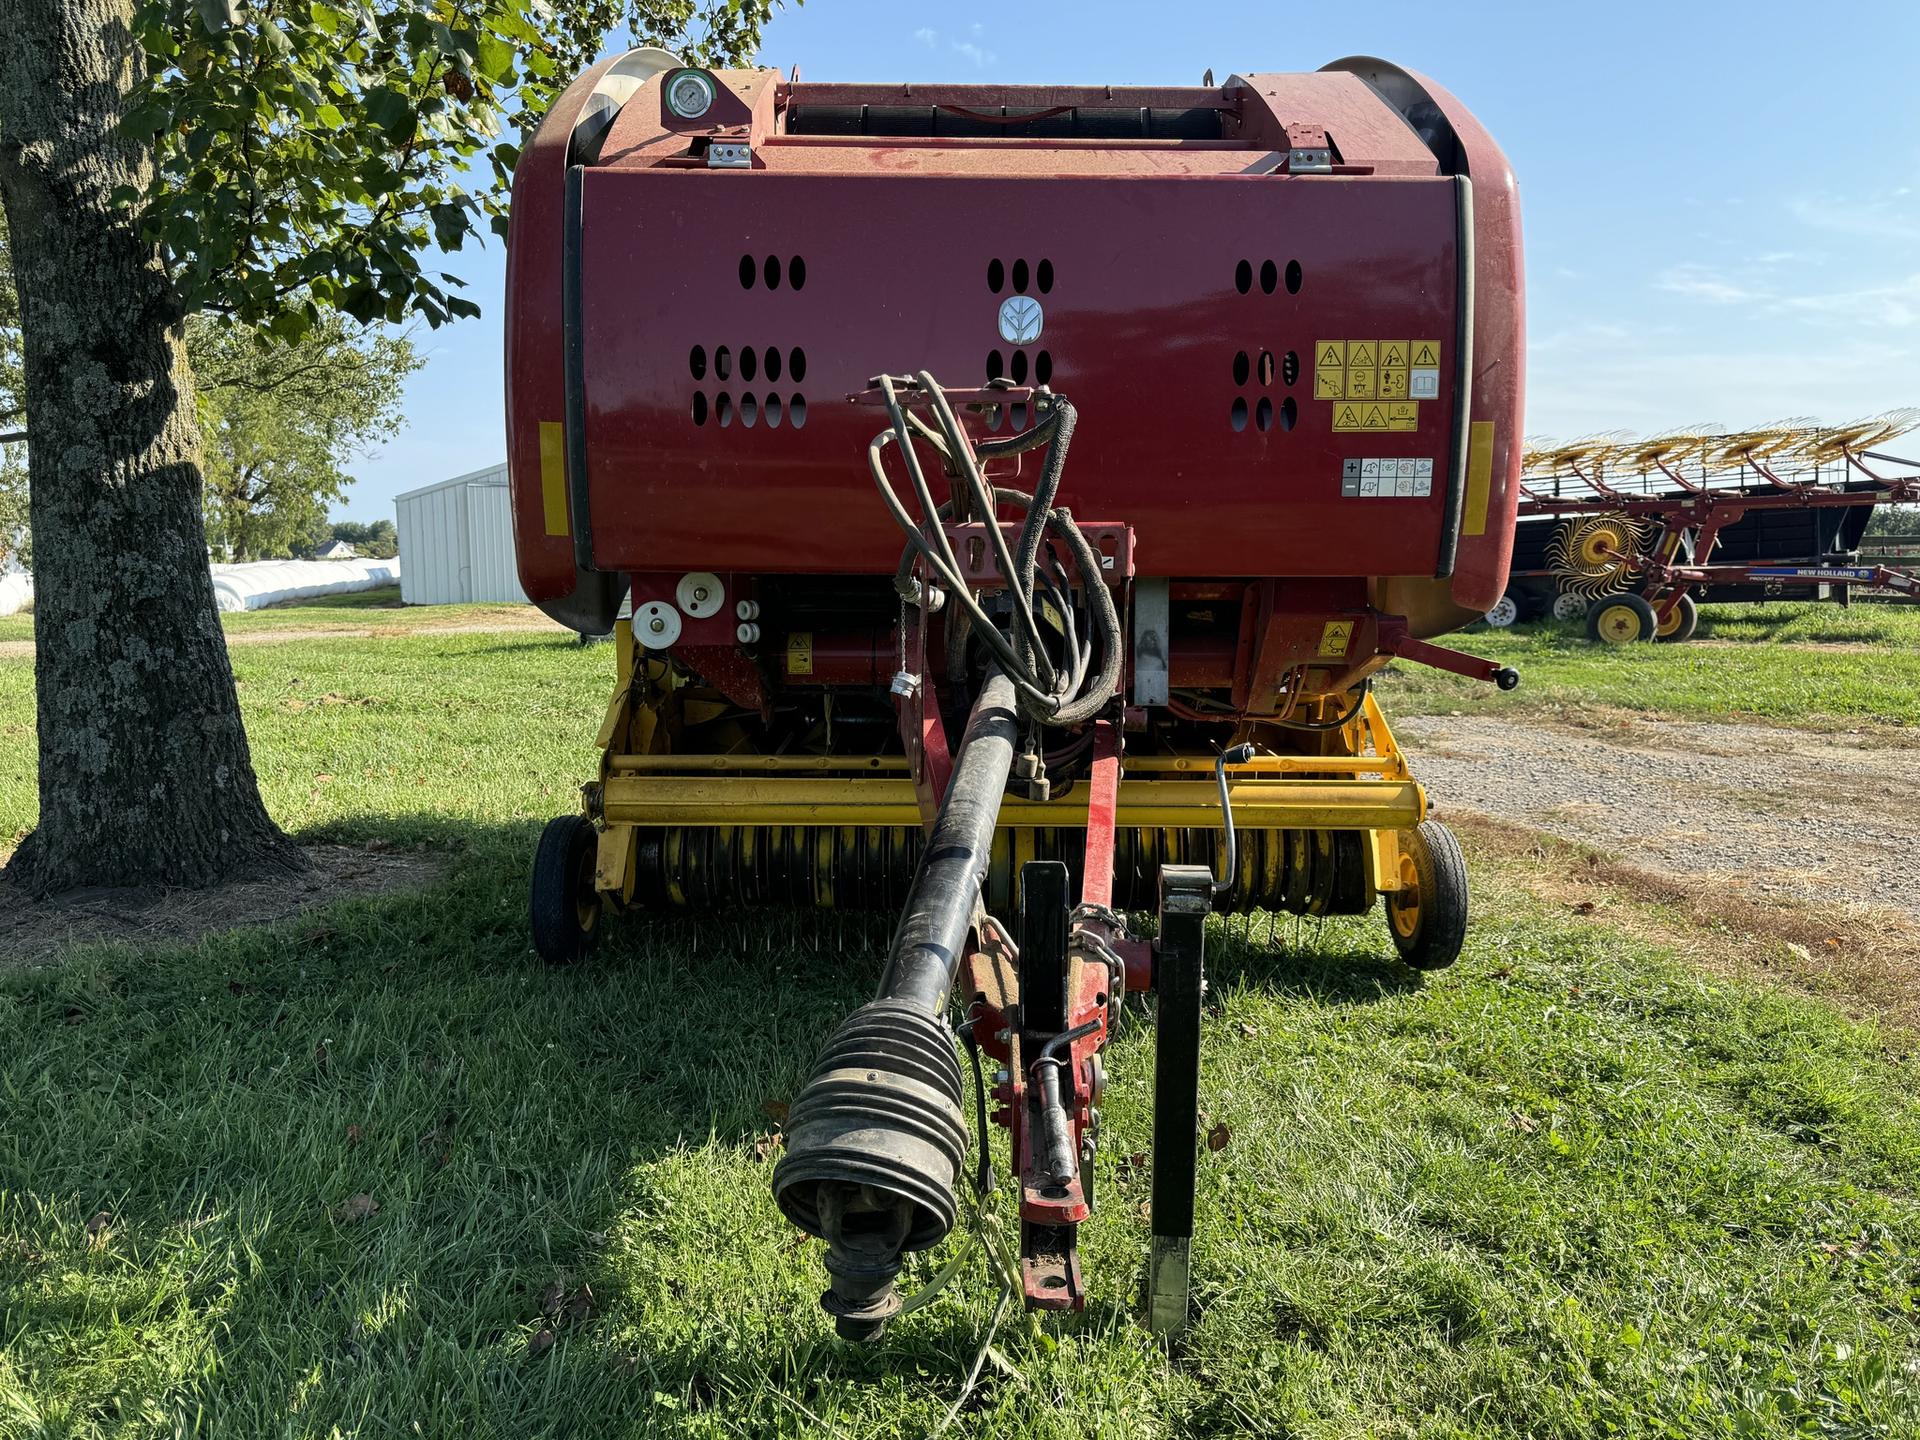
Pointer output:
x,y
1680,624
1429,922
1620,619
565,907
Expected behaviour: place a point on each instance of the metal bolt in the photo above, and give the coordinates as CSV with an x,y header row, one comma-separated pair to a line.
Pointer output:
x,y
700,592
656,625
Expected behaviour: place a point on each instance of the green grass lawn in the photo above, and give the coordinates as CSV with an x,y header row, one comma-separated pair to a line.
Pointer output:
x,y
1773,663
1568,1188
365,610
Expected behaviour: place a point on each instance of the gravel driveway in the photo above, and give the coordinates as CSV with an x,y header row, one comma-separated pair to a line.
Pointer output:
x,y
1780,812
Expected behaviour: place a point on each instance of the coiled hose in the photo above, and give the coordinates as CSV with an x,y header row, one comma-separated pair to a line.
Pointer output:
x,y
1063,695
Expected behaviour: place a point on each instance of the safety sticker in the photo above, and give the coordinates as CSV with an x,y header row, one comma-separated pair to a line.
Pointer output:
x,y
1400,373
800,652
1399,476
1335,637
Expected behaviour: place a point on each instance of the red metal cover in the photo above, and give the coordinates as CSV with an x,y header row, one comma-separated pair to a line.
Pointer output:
x,y
1199,421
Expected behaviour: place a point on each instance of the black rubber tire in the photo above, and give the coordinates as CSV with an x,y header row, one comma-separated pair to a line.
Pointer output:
x,y
1441,871
1606,623
1685,619
565,909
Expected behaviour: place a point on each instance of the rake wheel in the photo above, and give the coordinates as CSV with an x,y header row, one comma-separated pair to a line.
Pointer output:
x,y
1588,554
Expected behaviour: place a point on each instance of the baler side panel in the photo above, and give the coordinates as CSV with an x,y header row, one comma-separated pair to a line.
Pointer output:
x,y
1500,359
535,337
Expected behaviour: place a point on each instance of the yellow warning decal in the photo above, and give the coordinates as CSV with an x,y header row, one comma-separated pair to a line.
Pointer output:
x,y
1473,518
1346,417
1361,353
1403,415
1360,384
1426,353
1375,418
1330,353
553,476
1393,354
1329,383
800,652
1335,638
1393,382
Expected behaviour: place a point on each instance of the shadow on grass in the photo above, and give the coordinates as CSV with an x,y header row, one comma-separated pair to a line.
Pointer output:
x,y
362,1148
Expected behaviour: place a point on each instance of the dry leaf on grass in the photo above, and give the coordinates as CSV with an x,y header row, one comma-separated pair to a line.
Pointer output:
x,y
355,1208
1219,1137
539,1343
354,1134
1525,1124
776,1111
98,1226
767,1146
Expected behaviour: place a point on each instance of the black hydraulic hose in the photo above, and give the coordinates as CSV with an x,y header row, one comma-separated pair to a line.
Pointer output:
x,y
1052,696
940,906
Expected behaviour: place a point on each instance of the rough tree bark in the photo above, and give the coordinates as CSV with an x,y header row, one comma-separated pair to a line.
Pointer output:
x,y
145,776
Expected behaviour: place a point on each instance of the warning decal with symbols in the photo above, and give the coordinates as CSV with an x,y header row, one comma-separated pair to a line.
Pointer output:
x,y
1335,637
1401,373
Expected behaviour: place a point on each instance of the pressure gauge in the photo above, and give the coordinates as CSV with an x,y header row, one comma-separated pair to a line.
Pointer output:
x,y
690,94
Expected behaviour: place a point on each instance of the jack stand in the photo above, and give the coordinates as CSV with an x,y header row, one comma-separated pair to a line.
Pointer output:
x,y
1186,898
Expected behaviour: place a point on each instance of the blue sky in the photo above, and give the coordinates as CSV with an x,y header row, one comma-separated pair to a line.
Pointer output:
x,y
1722,201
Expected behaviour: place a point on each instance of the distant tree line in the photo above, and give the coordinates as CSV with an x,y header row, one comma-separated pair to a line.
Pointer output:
x,y
379,540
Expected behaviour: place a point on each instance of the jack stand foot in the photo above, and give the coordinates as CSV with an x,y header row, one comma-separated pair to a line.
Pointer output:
x,y
1169,1271
1186,897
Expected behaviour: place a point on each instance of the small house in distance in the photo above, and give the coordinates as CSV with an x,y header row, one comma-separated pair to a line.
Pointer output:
x,y
336,550
456,541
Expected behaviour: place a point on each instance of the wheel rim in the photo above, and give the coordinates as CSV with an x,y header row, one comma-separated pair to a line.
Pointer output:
x,y
1504,613
1403,905
1672,623
1618,624
1569,607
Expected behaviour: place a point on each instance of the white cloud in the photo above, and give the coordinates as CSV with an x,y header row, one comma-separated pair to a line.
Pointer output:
x,y
1879,306
978,55
1701,282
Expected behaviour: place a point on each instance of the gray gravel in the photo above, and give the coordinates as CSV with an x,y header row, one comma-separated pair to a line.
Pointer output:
x,y
1780,812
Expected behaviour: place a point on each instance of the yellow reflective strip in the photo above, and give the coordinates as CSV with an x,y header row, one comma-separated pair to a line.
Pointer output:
x,y
1473,518
553,476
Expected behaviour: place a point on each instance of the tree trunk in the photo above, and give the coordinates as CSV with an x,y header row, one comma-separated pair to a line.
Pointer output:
x,y
145,777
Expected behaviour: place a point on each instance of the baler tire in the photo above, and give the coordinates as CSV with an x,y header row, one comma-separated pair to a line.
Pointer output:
x,y
565,908
1429,932
1607,620
1680,624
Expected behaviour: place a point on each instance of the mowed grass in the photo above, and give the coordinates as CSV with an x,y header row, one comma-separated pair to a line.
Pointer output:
x,y
401,738
1782,664
378,609
1568,1188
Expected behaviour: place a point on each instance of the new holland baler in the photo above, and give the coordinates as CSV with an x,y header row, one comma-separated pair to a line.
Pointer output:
x,y
1015,490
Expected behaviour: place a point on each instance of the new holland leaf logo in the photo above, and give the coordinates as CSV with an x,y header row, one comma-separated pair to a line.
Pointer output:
x,y
1020,320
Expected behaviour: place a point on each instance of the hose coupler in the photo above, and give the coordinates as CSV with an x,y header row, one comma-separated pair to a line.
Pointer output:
x,y
875,1144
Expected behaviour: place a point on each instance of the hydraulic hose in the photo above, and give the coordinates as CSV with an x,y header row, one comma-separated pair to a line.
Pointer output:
x,y
1062,695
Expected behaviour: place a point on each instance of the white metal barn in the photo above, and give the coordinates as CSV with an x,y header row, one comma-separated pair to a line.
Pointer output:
x,y
456,540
